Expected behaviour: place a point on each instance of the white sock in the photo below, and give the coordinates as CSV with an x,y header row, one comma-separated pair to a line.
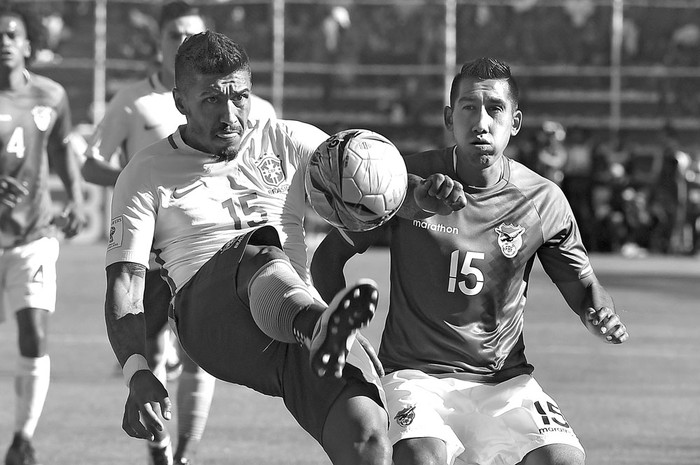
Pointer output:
x,y
31,386
277,294
194,395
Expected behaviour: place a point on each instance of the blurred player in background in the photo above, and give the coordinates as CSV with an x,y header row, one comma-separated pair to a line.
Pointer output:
x,y
137,116
458,386
35,125
222,201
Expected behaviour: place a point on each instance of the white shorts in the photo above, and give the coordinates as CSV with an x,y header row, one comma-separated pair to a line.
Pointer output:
x,y
28,276
484,424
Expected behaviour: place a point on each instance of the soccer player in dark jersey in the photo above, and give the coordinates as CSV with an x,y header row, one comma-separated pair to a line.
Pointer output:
x,y
35,125
458,385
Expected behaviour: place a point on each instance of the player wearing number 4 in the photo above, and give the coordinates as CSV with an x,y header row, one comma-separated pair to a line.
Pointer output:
x,y
35,125
458,385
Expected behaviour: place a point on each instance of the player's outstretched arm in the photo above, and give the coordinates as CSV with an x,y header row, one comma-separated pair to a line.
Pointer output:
x,y
100,172
438,194
126,328
327,273
594,305
65,162
332,254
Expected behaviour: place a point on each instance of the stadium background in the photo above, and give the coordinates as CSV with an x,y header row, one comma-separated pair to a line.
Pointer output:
x,y
613,68
632,405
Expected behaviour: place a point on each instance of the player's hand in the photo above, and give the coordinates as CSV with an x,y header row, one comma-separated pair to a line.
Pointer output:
x,y
606,324
147,403
371,353
440,194
71,221
12,191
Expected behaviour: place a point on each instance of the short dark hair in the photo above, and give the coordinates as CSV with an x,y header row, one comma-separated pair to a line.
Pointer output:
x,y
485,68
178,9
30,21
209,52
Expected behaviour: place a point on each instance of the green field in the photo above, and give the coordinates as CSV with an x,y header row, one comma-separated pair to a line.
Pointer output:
x,y
635,404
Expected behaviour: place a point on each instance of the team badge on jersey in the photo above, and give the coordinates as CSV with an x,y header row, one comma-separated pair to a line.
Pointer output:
x,y
510,239
116,232
406,416
42,117
270,169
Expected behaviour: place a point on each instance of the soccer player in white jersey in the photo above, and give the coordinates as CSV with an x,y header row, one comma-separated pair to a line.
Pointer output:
x,y
222,202
458,385
137,116
35,125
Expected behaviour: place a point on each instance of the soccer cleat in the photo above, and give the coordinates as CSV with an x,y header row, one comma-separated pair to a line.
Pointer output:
x,y
351,309
160,455
21,452
183,461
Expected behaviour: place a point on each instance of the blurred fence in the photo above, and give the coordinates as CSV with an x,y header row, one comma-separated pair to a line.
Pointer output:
x,y
603,65
600,64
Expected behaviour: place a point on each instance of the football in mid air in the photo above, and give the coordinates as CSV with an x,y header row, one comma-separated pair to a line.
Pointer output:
x,y
356,180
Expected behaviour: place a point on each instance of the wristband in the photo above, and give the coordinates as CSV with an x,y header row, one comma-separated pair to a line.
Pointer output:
x,y
136,362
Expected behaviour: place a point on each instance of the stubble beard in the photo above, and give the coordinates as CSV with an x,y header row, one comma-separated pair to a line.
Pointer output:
x,y
226,154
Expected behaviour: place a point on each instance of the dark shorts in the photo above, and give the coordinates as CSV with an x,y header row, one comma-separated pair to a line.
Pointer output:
x,y
156,300
217,331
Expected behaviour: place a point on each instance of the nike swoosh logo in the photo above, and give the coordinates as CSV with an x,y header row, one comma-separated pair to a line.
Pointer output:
x,y
180,192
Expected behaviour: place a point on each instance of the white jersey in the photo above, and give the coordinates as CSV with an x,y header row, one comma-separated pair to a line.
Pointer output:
x,y
143,113
186,205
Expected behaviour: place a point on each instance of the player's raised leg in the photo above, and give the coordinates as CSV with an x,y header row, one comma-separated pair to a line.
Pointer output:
x,y
283,307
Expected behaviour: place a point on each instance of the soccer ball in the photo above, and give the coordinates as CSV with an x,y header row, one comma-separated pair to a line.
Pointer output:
x,y
356,180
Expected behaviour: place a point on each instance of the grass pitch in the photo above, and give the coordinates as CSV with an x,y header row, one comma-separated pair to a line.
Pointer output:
x,y
635,404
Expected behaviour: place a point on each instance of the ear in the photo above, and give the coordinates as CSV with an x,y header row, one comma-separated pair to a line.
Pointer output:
x,y
27,52
447,117
517,122
179,101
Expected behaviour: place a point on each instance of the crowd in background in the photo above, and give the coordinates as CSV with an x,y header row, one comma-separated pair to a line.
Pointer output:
x,y
628,197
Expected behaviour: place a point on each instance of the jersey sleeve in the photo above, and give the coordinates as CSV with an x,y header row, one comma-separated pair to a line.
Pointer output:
x,y
111,132
563,255
133,215
305,139
64,123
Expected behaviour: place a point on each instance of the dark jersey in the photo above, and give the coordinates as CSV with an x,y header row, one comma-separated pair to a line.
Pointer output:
x,y
29,117
459,282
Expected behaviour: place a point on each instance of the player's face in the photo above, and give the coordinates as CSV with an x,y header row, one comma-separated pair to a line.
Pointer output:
x,y
217,108
14,42
174,34
482,120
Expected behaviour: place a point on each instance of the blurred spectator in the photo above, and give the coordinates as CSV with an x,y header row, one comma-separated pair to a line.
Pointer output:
x,y
669,197
609,178
577,183
334,26
551,152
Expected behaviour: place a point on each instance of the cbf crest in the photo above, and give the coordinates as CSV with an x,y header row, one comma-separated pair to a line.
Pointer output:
x,y
510,239
270,169
42,117
406,416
